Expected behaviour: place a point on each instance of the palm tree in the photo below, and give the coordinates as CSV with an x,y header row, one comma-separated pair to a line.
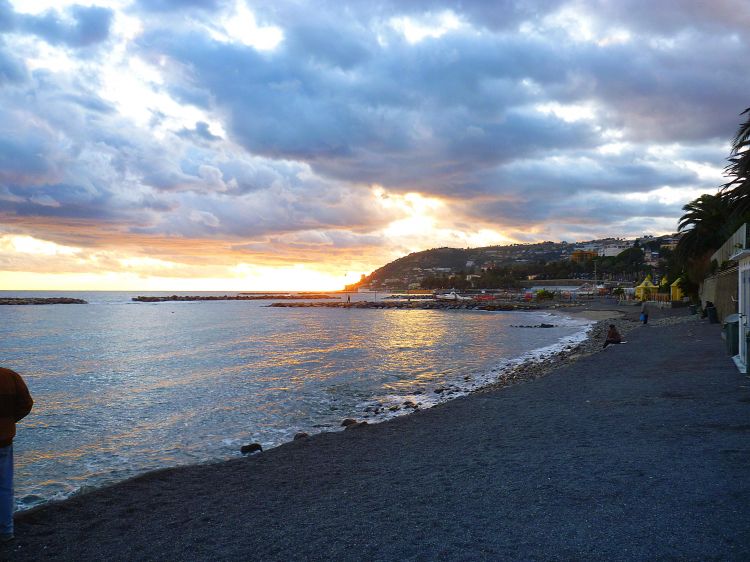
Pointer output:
x,y
705,225
737,190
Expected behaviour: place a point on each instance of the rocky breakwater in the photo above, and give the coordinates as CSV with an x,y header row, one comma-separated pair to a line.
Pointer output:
x,y
50,300
239,297
412,305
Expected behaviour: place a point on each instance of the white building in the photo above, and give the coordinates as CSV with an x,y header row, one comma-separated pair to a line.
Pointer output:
x,y
612,250
737,248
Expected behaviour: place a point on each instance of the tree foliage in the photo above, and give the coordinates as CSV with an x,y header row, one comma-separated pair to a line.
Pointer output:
x,y
710,219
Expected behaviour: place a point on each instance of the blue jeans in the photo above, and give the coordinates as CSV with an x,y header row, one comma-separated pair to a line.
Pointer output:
x,y
6,490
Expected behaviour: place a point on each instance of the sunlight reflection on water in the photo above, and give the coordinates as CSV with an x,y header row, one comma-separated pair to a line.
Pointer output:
x,y
123,388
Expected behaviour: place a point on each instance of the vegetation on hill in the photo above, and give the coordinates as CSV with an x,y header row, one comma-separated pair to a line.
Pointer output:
x,y
711,219
503,267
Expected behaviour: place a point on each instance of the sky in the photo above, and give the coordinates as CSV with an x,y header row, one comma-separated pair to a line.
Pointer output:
x,y
239,145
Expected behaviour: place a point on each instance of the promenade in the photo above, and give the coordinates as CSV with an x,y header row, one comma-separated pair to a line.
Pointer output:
x,y
638,452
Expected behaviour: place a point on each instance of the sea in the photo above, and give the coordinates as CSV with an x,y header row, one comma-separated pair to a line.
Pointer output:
x,y
123,387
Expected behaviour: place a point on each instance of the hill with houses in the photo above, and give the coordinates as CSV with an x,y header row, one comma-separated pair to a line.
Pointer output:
x,y
505,266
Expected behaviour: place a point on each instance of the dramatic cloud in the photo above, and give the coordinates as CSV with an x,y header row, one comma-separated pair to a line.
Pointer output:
x,y
240,135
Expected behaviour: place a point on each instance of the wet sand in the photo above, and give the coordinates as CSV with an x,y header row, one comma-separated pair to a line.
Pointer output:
x,y
638,452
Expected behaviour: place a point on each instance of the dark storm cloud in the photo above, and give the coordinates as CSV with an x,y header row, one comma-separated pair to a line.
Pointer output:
x,y
427,116
179,5
592,209
200,132
441,108
77,26
12,70
345,101
613,174
669,18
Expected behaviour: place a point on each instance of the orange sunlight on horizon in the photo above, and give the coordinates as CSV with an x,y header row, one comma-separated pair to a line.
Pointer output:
x,y
285,263
296,278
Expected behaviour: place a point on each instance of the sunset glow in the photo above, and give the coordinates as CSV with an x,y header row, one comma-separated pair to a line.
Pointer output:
x,y
247,145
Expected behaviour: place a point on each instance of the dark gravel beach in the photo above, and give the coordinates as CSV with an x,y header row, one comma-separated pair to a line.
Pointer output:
x,y
640,452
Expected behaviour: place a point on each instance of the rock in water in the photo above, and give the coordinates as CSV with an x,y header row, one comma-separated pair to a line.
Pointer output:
x,y
300,435
347,422
252,448
356,424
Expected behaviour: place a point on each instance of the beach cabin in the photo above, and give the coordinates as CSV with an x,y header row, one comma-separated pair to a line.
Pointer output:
x,y
646,289
676,291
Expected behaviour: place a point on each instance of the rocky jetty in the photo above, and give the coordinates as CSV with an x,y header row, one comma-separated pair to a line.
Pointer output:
x,y
413,305
51,300
240,297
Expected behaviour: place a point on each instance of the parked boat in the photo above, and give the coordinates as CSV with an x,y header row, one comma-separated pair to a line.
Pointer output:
x,y
452,296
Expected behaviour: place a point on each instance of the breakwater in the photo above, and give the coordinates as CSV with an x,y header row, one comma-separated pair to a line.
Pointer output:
x,y
51,300
240,297
414,305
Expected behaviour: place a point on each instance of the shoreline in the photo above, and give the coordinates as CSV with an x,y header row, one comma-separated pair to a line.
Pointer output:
x,y
528,366
376,411
609,457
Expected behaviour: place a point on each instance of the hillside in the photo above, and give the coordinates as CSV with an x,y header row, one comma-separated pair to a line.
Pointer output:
x,y
542,260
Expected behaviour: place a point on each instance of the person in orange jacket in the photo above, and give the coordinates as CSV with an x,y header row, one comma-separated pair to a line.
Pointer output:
x,y
15,404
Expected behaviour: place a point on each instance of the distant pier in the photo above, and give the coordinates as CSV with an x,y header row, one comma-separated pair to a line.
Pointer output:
x,y
50,300
240,297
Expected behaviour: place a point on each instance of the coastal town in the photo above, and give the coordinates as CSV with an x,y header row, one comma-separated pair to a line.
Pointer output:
x,y
617,261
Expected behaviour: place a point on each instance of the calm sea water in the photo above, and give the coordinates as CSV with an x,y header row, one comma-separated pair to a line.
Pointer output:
x,y
122,388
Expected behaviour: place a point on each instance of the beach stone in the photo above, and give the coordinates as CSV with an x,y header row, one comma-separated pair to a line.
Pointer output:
x,y
356,424
394,408
409,404
439,390
300,435
346,422
251,448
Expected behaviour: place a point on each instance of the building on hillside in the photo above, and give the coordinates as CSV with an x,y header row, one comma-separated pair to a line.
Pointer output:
x,y
581,256
651,258
670,242
612,250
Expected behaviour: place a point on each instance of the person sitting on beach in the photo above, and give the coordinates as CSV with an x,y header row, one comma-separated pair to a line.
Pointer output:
x,y
613,336
15,404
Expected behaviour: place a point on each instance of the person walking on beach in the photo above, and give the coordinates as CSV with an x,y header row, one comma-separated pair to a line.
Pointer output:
x,y
644,313
613,336
15,404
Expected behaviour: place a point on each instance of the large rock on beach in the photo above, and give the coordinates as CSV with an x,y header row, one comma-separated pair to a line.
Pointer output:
x,y
251,448
346,422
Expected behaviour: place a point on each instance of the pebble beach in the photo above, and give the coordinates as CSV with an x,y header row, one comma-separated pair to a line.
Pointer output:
x,y
636,452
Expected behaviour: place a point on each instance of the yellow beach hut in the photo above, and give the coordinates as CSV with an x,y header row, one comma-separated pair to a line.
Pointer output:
x,y
676,290
647,288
